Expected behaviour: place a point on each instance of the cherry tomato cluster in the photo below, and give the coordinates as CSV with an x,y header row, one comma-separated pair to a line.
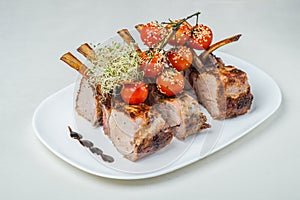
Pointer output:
x,y
169,81
165,67
197,37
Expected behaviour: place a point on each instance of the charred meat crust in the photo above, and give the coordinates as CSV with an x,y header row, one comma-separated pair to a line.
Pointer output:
x,y
234,97
192,119
134,111
181,112
240,105
151,144
136,130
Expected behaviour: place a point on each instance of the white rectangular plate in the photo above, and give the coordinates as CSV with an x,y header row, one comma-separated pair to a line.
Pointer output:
x,y
56,112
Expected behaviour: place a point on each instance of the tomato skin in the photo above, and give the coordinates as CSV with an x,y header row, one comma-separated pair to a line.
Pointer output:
x,y
152,63
135,93
152,33
180,58
181,36
170,82
201,37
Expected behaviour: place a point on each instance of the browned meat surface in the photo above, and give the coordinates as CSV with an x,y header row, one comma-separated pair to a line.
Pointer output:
x,y
182,113
88,103
140,130
168,107
192,119
136,130
223,90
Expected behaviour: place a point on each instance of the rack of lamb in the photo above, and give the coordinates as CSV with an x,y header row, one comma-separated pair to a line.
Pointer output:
x,y
144,99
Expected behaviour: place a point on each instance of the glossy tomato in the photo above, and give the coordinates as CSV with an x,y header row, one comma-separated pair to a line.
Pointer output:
x,y
181,36
152,33
170,82
135,93
201,37
152,63
180,57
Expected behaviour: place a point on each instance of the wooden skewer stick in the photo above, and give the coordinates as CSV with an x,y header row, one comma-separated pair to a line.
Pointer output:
x,y
127,37
87,51
73,62
219,44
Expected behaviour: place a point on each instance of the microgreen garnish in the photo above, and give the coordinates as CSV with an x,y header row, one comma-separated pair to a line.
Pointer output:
x,y
115,64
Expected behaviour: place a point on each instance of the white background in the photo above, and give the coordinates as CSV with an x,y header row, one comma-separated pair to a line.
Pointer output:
x,y
265,164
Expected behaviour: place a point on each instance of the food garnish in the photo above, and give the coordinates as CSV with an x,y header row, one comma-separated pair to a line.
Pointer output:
x,y
126,66
170,82
182,35
180,57
134,93
152,33
152,64
201,37
114,65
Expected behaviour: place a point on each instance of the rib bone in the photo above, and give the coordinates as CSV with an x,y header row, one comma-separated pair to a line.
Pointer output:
x,y
127,37
73,62
87,51
219,44
139,27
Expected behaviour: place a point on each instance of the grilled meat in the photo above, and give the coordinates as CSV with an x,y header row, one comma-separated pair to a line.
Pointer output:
x,y
182,113
136,130
223,90
192,119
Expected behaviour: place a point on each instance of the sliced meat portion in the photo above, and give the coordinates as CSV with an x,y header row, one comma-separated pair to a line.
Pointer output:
x,y
192,119
168,107
88,103
136,130
223,90
182,113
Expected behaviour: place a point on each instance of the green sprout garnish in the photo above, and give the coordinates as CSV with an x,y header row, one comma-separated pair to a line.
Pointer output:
x,y
115,65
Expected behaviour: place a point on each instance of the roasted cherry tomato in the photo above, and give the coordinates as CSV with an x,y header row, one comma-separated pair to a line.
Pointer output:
x,y
201,37
180,57
181,36
152,33
152,63
170,82
135,93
